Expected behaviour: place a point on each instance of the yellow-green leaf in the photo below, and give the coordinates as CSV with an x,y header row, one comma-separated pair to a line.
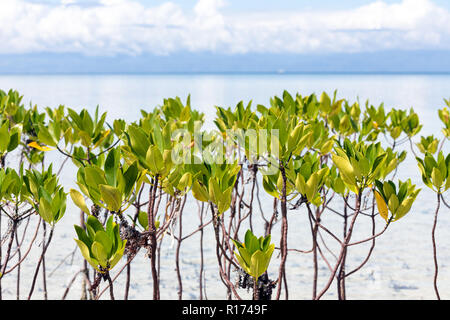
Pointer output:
x,y
345,168
78,200
199,192
381,205
100,254
436,177
111,196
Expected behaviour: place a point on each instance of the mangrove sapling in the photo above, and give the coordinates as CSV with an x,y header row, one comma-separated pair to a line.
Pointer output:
x,y
237,217
49,201
23,195
101,247
360,166
77,128
238,128
436,176
254,256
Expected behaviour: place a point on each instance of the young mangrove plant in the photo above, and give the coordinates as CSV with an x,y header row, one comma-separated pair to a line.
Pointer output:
x,y
101,247
436,176
254,256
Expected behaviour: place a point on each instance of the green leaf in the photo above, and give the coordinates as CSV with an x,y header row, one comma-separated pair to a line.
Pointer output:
x,y
199,192
130,178
111,196
44,136
311,186
251,242
345,168
154,159
138,140
381,205
94,177
13,141
245,255
59,205
257,264
94,224
99,253
88,124
237,243
300,184
266,243
327,147
86,139
86,254
45,210
103,238
248,238
388,190
242,263
393,203
294,137
436,178
185,181
116,258
404,208
109,227
111,166
143,219
78,200
82,235
269,187
4,137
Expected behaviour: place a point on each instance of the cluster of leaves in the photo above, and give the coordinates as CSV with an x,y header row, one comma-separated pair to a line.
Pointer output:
x,y
101,246
254,254
49,197
40,189
108,185
361,164
311,130
435,172
398,202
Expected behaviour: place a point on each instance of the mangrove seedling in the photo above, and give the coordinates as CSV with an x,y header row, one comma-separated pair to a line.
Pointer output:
x,y
254,256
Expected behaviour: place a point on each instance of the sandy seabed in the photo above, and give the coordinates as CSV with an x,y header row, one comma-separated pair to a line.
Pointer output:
x,y
401,266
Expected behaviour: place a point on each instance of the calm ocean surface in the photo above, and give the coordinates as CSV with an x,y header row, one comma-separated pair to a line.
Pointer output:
x,y
124,95
401,266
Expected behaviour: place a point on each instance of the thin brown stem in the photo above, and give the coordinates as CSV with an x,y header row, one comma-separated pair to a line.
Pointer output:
x,y
39,263
433,240
284,231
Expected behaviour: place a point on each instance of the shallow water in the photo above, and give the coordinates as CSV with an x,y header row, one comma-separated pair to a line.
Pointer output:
x,y
401,265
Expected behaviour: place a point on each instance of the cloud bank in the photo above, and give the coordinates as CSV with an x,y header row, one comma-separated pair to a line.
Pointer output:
x,y
110,27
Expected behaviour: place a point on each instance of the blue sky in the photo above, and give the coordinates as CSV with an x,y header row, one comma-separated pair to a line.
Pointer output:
x,y
113,29
240,5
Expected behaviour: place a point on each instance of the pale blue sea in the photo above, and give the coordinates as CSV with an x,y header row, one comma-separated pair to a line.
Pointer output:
x,y
401,266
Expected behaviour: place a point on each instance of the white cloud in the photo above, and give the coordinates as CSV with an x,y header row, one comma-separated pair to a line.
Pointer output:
x,y
126,26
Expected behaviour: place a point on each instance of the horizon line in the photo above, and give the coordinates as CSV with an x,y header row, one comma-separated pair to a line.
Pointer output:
x,y
280,72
